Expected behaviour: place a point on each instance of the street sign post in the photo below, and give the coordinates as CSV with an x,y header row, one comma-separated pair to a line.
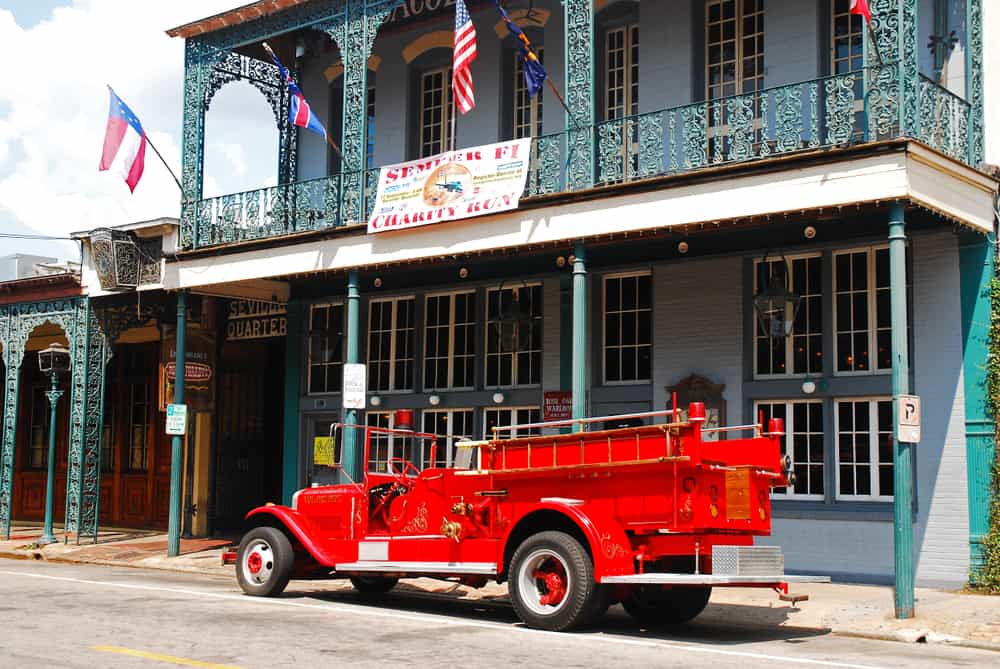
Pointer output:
x,y
177,419
908,419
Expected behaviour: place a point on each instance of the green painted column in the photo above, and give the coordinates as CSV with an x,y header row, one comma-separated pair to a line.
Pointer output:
x,y
177,444
903,452
294,361
351,455
580,335
53,395
976,267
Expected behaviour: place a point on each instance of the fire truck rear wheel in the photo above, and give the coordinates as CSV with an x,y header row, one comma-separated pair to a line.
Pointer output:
x,y
264,562
373,586
552,582
652,606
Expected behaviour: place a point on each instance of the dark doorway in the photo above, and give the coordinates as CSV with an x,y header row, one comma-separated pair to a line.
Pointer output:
x,y
249,426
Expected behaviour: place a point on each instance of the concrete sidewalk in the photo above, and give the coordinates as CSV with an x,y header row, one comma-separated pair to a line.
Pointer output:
x,y
947,617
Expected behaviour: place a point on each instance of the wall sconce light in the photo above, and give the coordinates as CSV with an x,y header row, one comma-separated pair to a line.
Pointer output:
x,y
561,262
571,260
377,282
463,273
434,400
498,398
809,232
375,400
808,387
683,248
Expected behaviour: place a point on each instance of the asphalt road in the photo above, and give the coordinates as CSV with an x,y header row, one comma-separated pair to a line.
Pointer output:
x,y
55,615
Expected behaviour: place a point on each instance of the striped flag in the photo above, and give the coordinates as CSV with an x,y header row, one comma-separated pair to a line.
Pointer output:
x,y
124,143
860,7
465,53
299,111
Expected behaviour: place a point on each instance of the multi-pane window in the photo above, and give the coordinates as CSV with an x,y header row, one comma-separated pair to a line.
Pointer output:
x,y
38,446
380,445
435,112
847,38
449,341
514,336
451,426
864,449
137,432
734,47
628,328
326,348
802,351
862,311
391,326
512,417
621,72
527,108
803,441
108,431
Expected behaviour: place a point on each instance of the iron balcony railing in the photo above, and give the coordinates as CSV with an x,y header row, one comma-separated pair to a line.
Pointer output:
x,y
821,113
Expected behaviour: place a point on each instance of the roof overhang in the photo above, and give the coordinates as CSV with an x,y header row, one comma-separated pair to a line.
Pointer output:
x,y
232,17
152,228
897,172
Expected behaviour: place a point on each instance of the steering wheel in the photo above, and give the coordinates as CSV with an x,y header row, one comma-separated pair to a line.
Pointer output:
x,y
403,475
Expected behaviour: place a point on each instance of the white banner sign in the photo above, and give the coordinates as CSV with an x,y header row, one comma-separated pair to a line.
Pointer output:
x,y
355,385
451,186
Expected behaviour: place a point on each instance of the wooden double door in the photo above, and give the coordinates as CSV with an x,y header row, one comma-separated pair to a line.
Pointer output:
x,y
135,457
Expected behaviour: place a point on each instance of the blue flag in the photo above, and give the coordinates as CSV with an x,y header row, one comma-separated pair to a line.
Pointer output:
x,y
534,73
299,111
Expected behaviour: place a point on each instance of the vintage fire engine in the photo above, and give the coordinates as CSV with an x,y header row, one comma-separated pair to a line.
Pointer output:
x,y
652,516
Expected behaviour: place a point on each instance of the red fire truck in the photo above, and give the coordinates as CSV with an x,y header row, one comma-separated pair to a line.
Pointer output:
x,y
652,516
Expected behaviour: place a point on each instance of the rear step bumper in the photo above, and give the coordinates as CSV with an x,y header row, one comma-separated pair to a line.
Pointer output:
x,y
711,579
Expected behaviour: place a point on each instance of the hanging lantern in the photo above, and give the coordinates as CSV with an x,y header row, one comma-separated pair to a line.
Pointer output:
x,y
116,258
53,360
774,303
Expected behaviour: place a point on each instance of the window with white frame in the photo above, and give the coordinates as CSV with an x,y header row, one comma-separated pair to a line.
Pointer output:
x,y
527,108
621,72
512,416
449,341
435,111
391,324
847,38
863,336
380,445
452,426
514,336
864,449
734,47
803,441
628,328
802,351
326,348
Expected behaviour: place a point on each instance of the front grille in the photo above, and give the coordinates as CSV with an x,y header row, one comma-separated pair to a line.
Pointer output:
x,y
747,561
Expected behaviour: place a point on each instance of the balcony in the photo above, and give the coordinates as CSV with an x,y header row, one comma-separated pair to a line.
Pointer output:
x,y
888,101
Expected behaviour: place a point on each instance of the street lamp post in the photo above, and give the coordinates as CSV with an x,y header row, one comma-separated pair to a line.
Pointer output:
x,y
53,361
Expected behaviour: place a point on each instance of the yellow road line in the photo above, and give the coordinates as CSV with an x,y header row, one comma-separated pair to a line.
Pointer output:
x,y
161,658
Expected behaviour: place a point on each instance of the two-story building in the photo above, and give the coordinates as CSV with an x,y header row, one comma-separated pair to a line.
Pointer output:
x,y
755,203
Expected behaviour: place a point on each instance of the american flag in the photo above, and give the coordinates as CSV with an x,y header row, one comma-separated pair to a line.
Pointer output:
x,y
465,53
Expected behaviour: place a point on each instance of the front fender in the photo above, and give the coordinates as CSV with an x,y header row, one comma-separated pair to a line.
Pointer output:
x,y
296,524
609,544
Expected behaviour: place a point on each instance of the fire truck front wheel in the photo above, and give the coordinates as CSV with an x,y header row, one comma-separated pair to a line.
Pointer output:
x,y
264,562
653,606
552,582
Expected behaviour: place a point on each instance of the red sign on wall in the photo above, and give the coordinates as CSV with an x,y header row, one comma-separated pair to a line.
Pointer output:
x,y
557,405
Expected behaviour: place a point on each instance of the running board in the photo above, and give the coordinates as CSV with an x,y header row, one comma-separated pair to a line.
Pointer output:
x,y
712,579
479,568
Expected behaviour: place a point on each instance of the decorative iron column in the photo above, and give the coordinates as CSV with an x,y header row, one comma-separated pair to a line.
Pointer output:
x,y
197,72
12,367
177,443
579,49
903,452
976,270
974,79
349,457
893,76
580,376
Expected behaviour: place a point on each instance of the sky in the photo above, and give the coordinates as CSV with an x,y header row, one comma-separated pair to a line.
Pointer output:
x,y
61,56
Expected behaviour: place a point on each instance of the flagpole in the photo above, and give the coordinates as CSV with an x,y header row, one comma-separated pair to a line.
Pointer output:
x,y
454,111
160,156
871,36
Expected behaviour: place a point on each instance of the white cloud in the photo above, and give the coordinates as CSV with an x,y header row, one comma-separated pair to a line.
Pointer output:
x,y
54,105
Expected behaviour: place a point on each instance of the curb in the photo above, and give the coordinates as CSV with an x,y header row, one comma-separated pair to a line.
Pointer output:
x,y
900,638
